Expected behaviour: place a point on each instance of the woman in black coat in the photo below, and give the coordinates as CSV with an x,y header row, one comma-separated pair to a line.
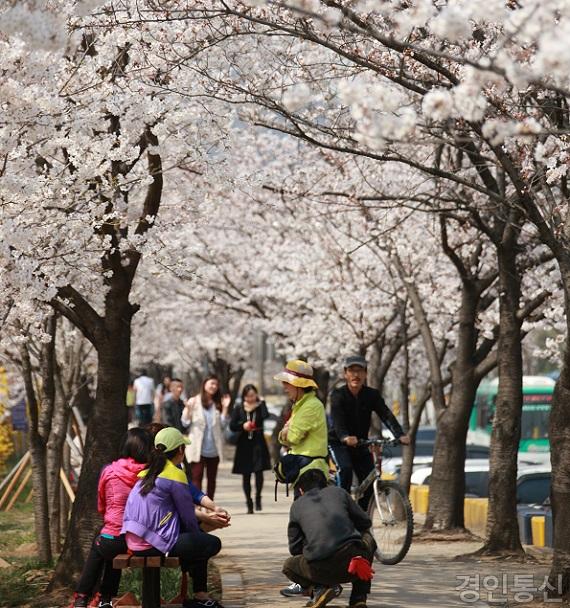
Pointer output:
x,y
252,455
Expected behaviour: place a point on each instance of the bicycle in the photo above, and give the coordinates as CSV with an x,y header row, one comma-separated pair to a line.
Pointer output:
x,y
389,508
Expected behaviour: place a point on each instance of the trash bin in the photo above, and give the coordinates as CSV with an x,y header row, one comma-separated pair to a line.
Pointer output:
x,y
524,515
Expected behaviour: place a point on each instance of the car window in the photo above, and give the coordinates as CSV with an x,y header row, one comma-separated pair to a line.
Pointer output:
x,y
477,483
533,490
477,451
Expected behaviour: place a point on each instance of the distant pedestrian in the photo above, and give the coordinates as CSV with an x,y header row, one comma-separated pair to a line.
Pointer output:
x,y
144,398
173,407
252,455
204,415
161,395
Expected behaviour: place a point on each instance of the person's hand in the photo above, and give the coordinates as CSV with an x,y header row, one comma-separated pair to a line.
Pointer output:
x,y
351,441
248,426
189,409
212,520
223,513
405,439
226,401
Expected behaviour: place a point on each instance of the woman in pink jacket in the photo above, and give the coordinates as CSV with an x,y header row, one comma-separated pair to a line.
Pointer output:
x,y
115,483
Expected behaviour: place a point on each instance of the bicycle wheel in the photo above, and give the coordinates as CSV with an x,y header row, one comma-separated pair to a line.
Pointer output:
x,y
392,521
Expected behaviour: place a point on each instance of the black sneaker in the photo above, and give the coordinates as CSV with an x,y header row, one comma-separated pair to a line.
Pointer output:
x,y
80,600
293,590
323,596
337,592
194,603
357,602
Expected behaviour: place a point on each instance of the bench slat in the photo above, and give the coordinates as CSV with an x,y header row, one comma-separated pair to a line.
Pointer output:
x,y
121,561
125,560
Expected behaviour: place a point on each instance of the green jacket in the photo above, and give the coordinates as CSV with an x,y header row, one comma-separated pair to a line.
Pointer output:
x,y
307,433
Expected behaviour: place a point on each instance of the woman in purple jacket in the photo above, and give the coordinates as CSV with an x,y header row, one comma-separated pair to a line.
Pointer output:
x,y
159,516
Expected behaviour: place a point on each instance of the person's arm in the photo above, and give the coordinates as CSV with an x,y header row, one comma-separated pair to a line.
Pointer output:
x,y
238,419
357,515
338,416
186,418
387,417
296,538
263,411
197,494
101,496
300,424
183,504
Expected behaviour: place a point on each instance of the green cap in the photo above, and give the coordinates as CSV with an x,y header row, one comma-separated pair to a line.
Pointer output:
x,y
170,438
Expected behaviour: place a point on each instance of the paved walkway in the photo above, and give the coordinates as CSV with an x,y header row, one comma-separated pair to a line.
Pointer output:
x,y
255,546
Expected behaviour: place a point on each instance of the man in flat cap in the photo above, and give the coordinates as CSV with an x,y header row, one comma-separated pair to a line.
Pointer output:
x,y
351,410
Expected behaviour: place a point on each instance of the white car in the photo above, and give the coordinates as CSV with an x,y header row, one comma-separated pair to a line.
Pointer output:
x,y
533,481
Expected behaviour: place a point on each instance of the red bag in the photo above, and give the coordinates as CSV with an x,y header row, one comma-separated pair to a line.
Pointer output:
x,y
361,568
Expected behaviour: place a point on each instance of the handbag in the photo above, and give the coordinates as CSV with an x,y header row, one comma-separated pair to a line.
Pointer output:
x,y
232,437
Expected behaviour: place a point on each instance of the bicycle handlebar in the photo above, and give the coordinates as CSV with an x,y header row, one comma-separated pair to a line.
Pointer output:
x,y
380,441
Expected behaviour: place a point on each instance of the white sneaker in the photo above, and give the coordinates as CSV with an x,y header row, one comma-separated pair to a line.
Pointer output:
x,y
293,590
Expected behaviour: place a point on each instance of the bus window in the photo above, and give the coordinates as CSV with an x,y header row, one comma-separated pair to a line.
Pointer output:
x,y
534,422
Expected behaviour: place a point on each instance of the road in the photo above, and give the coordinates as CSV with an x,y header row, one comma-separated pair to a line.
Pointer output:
x,y
255,546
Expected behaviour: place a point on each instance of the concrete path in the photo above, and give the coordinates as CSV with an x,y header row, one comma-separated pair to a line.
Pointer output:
x,y
255,546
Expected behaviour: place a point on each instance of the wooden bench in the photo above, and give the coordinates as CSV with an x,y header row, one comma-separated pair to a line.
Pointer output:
x,y
150,576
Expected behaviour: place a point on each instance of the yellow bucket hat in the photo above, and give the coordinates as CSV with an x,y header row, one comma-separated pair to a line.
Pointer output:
x,y
298,373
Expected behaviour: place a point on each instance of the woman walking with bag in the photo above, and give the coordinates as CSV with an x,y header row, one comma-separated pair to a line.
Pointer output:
x,y
206,414
252,455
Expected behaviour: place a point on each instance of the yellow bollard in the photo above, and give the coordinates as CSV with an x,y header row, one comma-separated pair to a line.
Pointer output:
x,y
538,527
413,494
422,499
475,513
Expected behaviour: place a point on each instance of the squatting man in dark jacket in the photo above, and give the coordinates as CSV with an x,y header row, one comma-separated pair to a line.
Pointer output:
x,y
327,529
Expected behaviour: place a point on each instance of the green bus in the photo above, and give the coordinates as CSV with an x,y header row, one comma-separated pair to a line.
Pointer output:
x,y
537,398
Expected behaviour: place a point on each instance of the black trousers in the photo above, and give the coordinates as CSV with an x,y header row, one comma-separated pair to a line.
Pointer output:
x,y
100,561
354,460
194,549
334,569
246,483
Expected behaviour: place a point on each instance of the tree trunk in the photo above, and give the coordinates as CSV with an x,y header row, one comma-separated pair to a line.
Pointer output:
x,y
559,426
502,524
64,501
38,453
447,482
107,425
54,465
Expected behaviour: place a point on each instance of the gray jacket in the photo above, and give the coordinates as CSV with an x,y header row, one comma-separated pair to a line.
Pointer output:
x,y
321,521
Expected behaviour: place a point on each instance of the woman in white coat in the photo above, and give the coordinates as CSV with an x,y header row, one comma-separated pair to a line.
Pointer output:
x,y
206,415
